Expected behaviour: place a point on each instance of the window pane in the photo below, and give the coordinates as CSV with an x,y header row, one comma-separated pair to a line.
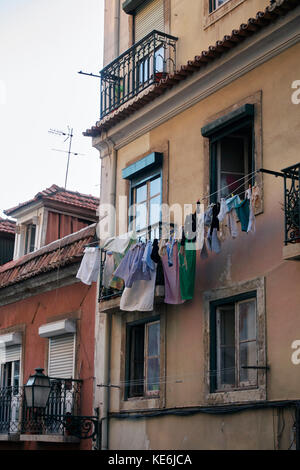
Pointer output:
x,y
153,339
16,373
231,184
141,216
155,210
248,357
247,315
227,325
232,155
153,374
136,371
227,365
141,193
155,186
226,335
159,60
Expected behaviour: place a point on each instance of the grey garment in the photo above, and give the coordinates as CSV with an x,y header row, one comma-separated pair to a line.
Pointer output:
x,y
232,223
204,253
208,214
213,241
223,210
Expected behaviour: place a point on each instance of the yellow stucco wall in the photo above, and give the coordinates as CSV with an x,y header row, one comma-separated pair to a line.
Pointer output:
x,y
247,257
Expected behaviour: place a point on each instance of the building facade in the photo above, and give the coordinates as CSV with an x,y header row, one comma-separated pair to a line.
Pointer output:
x,y
47,321
196,98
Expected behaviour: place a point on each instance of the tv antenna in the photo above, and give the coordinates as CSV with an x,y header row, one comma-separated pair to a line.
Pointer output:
x,y
68,135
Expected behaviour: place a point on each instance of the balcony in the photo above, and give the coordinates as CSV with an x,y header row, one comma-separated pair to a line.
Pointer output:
x,y
60,421
144,64
291,250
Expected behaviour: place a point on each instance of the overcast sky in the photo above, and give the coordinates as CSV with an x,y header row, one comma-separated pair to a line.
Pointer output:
x,y
43,44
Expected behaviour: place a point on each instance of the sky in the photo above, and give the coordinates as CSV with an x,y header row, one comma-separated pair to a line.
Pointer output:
x,y
43,46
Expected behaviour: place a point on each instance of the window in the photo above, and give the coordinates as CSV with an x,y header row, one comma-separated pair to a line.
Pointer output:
x,y
145,177
10,357
143,359
215,4
29,238
61,356
148,16
231,140
146,199
234,357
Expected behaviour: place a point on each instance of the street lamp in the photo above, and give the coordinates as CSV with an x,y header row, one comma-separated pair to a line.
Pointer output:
x,y
37,389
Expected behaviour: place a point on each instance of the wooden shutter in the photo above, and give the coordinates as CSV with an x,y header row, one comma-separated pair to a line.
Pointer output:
x,y
148,17
61,356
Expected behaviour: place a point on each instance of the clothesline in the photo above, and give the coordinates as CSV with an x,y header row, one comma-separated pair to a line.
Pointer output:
x,y
248,176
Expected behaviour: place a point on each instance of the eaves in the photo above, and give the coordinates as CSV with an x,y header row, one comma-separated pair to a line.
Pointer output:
x,y
44,282
269,42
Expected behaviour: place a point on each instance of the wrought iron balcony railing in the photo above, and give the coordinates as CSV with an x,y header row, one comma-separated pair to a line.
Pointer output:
x,y
292,203
61,415
144,64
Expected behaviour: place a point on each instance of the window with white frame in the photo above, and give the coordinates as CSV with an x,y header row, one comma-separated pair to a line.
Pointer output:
x,y
29,242
215,4
143,359
234,345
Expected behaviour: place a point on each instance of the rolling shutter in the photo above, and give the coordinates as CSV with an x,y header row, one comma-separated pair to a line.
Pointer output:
x,y
10,353
149,17
61,356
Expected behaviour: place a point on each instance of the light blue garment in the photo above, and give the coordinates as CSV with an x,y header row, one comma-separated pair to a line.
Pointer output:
x,y
233,202
147,262
170,246
130,268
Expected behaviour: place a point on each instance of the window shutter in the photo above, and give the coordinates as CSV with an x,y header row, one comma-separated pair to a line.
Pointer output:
x,y
10,353
149,17
61,356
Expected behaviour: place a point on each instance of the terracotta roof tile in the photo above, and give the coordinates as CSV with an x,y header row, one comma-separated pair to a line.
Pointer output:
x,y
56,193
262,19
57,254
7,226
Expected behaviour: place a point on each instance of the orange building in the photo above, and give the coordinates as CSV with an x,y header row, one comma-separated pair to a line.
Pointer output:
x,y
47,321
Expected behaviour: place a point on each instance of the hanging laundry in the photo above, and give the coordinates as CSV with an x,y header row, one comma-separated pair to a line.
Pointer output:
x,y
204,253
251,224
256,197
130,268
232,224
213,241
170,248
154,254
187,270
243,213
119,244
140,296
223,210
147,262
90,266
215,224
171,278
109,267
208,216
232,202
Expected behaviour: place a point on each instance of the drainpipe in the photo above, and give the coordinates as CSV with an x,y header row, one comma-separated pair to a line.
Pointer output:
x,y
106,388
117,29
111,153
